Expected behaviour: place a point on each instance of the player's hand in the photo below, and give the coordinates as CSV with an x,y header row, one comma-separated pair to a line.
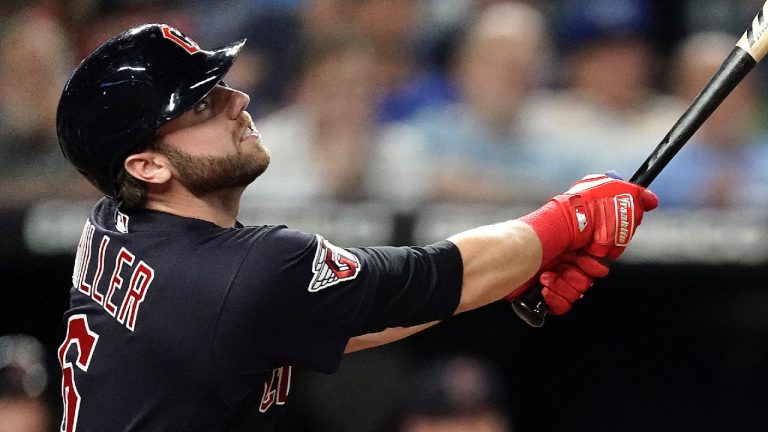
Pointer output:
x,y
569,280
565,279
598,215
603,213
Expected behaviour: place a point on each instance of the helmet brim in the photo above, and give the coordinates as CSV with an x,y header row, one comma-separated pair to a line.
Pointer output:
x,y
200,81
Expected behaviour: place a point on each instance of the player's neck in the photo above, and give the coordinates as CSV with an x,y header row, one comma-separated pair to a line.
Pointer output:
x,y
220,208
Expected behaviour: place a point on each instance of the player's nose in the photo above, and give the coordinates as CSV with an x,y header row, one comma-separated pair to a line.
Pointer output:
x,y
238,102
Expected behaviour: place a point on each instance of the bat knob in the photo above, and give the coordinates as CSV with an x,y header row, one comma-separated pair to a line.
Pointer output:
x,y
530,307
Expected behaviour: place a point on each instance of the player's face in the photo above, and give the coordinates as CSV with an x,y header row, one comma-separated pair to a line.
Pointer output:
x,y
215,145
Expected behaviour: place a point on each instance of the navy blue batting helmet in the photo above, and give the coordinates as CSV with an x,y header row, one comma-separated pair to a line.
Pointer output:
x,y
119,96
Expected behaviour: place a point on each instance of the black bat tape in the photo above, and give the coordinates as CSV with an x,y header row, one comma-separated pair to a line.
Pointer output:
x,y
733,70
530,306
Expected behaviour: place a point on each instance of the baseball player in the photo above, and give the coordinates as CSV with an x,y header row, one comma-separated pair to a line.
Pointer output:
x,y
181,318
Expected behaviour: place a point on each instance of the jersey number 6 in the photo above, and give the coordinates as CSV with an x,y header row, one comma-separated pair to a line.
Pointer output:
x,y
80,334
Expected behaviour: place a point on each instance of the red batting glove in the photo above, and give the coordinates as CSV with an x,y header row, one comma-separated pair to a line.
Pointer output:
x,y
598,214
568,282
564,280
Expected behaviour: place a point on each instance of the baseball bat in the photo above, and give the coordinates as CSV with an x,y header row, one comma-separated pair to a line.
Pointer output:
x,y
749,50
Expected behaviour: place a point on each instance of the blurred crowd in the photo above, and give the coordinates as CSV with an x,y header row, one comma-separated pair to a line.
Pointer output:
x,y
420,101
23,381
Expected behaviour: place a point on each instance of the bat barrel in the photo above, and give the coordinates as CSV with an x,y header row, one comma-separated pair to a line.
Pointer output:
x,y
731,72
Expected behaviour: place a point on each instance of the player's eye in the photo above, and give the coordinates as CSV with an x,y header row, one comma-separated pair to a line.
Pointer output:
x,y
202,105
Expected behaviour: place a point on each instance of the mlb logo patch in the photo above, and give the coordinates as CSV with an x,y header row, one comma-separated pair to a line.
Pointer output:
x,y
121,222
332,265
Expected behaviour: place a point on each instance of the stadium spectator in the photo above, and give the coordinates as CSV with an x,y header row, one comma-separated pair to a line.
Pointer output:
x,y
609,115
20,413
407,80
23,379
477,149
35,59
319,142
456,394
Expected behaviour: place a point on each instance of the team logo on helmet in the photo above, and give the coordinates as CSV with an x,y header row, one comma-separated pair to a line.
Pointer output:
x,y
332,265
180,39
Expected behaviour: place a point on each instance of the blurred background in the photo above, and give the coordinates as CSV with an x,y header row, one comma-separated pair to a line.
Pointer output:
x,y
404,121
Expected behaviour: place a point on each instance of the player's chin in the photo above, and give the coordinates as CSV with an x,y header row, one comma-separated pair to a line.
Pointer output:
x,y
259,154
259,162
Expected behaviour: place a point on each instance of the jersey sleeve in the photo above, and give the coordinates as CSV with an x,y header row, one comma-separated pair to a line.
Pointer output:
x,y
297,298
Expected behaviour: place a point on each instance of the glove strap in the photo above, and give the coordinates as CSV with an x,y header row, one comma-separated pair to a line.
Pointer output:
x,y
552,227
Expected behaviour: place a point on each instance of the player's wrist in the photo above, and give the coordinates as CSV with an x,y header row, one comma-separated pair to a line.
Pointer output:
x,y
553,227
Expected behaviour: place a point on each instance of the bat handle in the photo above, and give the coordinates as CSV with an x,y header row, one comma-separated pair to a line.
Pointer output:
x,y
530,306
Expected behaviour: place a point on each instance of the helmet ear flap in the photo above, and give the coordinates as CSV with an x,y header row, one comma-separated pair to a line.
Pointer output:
x,y
119,96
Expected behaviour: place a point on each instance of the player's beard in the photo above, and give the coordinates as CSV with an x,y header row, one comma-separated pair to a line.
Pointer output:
x,y
206,174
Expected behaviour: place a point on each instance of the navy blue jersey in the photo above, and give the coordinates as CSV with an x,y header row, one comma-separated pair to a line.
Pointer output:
x,y
178,324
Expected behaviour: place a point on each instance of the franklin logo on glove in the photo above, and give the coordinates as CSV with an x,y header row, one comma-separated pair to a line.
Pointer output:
x,y
624,219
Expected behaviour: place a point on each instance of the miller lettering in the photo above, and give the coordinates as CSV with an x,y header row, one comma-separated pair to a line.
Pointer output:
x,y
124,267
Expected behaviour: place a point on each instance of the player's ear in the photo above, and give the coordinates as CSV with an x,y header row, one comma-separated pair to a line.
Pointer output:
x,y
148,166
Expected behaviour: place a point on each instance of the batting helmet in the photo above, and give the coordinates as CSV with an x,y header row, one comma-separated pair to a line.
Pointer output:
x,y
119,96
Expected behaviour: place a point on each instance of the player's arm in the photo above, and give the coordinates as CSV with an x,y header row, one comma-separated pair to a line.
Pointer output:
x,y
384,337
495,258
564,282
596,217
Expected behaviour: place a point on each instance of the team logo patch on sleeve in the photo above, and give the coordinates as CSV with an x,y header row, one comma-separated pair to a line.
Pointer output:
x,y
332,265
